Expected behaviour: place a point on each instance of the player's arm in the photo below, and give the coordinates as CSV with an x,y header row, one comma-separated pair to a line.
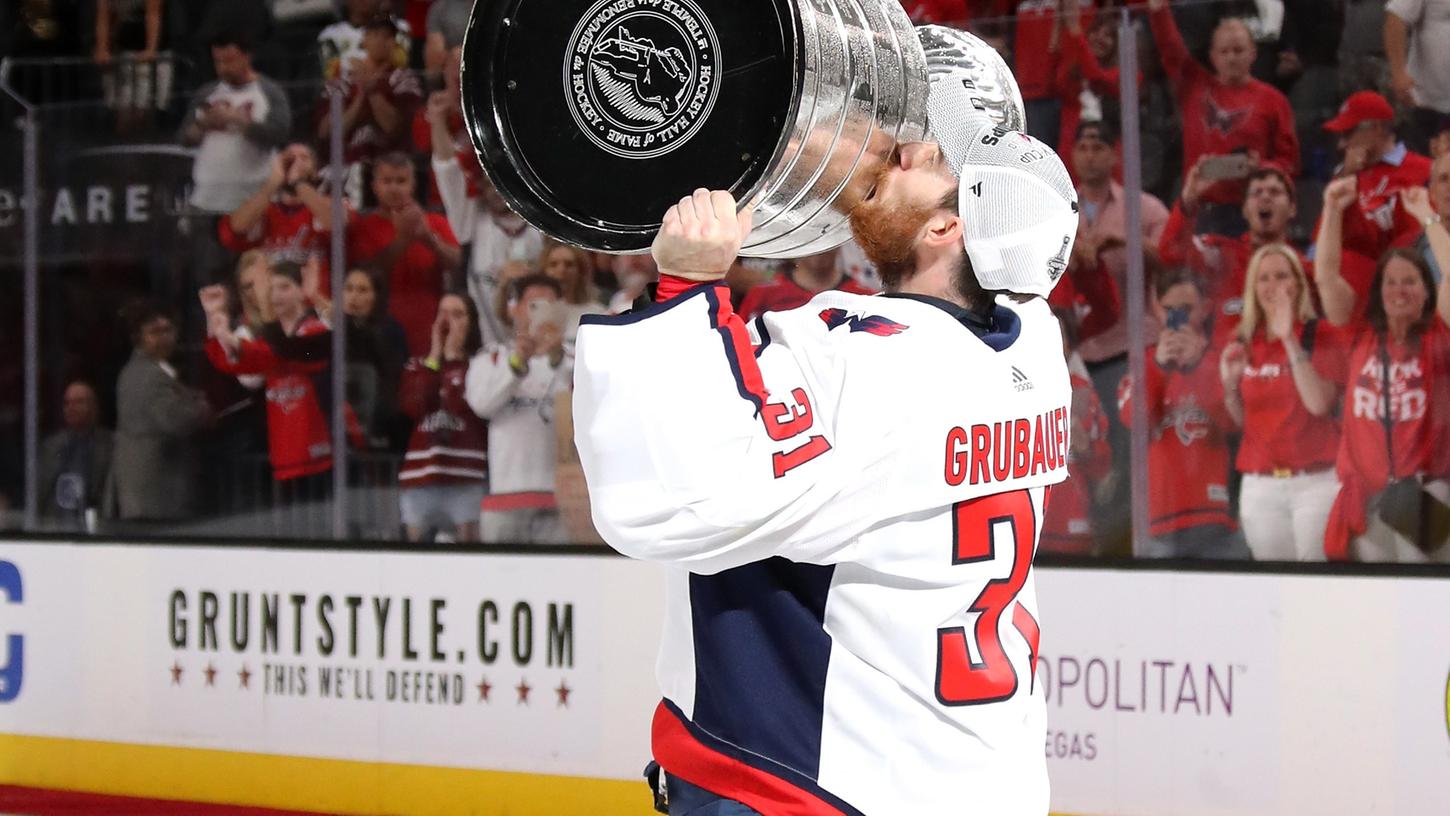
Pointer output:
x,y
695,451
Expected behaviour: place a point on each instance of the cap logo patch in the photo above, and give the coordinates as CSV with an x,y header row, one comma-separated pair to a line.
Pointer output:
x,y
1057,264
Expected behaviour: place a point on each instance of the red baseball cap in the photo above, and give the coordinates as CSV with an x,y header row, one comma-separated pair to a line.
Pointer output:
x,y
1361,107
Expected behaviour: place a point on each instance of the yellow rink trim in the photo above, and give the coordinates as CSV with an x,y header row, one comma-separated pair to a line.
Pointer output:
x,y
304,783
301,783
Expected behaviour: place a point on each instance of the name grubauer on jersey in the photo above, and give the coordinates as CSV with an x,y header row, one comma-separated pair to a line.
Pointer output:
x,y
847,498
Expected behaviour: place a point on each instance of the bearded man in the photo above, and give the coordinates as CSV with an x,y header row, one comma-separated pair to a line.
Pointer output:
x,y
847,496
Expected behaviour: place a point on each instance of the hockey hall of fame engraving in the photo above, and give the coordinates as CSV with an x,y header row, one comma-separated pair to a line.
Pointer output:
x,y
642,76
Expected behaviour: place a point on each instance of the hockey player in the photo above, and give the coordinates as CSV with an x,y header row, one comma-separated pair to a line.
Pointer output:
x,y
848,495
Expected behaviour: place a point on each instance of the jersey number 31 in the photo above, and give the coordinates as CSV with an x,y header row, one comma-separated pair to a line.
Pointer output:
x,y
784,421
979,526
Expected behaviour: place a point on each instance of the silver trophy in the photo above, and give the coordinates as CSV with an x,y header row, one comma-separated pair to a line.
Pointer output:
x,y
971,86
862,90
591,117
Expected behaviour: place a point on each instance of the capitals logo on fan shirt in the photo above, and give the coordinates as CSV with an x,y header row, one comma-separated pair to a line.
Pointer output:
x,y
1220,119
1378,204
871,324
1187,420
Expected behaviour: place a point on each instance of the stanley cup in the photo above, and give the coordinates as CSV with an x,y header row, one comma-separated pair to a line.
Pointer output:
x,y
793,104
838,146
862,89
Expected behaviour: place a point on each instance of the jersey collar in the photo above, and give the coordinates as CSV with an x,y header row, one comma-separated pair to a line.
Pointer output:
x,y
998,328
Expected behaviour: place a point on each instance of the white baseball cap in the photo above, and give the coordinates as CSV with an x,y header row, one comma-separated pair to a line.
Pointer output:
x,y
1019,210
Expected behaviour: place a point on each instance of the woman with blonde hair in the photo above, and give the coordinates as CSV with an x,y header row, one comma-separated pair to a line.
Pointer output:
x,y
1281,377
573,268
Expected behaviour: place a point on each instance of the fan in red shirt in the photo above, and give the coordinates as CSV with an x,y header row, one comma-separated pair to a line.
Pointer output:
x,y
1188,454
954,12
289,217
445,470
1394,456
291,352
1220,262
380,97
1039,45
1382,168
1281,377
806,278
415,248
1087,73
1067,523
1225,111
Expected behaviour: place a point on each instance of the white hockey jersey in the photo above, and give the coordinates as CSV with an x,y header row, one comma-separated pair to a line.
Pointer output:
x,y
848,496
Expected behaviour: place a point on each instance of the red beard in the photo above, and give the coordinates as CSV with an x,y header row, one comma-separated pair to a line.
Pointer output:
x,y
887,235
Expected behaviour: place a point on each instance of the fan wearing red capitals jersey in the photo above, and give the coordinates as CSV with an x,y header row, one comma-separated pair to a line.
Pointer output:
x,y
1394,455
848,495
288,216
1188,453
291,352
1225,111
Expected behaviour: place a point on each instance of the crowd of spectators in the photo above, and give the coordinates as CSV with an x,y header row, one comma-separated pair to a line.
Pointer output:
x,y
1295,158
1297,404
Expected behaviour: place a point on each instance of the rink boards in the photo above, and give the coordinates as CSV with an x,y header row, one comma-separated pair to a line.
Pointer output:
x,y
389,682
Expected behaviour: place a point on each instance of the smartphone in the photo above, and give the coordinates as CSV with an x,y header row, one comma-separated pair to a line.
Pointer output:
x,y
1231,167
546,311
1177,317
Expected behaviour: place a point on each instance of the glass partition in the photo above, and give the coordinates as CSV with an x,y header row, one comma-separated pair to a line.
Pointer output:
x,y
1239,392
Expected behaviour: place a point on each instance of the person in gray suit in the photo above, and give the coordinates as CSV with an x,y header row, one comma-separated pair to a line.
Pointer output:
x,y
154,469
75,461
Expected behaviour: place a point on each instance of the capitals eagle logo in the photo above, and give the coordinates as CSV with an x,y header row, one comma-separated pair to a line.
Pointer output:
x,y
871,324
1225,121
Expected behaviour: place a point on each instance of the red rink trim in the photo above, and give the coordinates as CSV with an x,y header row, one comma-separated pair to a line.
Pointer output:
x,y
520,501
42,802
681,754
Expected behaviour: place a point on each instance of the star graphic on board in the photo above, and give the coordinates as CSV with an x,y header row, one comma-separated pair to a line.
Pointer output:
x,y
245,677
210,674
563,691
523,689
176,673
483,689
